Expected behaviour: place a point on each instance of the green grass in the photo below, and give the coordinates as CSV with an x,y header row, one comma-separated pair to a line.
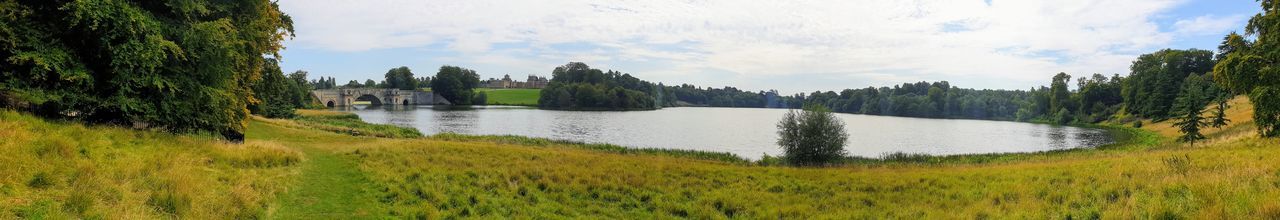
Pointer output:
x,y
518,97
330,188
543,142
138,174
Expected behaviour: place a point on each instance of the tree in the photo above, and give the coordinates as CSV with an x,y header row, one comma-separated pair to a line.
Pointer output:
x,y
455,84
369,83
812,137
353,84
1189,120
400,78
1249,67
274,93
182,66
1220,114
1059,94
299,91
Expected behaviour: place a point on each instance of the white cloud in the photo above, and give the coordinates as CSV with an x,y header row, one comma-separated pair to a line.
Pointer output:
x,y
1208,25
1004,44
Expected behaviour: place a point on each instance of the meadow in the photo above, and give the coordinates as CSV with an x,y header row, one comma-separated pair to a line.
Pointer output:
x,y
64,170
295,169
517,97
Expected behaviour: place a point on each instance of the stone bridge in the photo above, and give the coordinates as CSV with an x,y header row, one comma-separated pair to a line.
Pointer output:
x,y
348,97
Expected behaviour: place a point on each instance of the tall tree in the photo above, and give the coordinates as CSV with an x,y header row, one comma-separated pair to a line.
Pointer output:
x,y
455,84
1249,67
274,92
299,89
180,65
1189,120
1220,114
1060,95
401,78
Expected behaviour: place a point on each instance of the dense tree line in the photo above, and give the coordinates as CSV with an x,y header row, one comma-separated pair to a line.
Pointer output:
x,y
1157,79
576,86
181,66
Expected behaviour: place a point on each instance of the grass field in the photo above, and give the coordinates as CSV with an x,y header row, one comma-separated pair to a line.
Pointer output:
x,y
330,174
519,97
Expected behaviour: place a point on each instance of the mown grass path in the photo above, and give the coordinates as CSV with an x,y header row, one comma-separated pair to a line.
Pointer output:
x,y
329,186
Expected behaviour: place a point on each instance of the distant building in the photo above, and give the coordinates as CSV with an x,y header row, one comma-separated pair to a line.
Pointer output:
x,y
533,82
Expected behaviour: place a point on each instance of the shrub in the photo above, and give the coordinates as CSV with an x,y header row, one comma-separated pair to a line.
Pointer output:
x,y
813,136
1180,165
40,181
480,99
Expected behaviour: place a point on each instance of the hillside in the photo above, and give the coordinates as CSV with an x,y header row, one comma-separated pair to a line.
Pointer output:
x,y
344,176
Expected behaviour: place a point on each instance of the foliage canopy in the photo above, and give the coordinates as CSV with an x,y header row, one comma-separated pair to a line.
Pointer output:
x,y
181,65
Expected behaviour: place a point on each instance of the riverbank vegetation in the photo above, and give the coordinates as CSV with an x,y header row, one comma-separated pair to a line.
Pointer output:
x,y
576,86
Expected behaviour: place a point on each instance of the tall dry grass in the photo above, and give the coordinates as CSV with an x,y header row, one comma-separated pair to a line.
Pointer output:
x,y
64,170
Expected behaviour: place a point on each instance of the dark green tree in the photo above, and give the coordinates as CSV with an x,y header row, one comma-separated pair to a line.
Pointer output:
x,y
179,65
455,84
353,84
369,83
1189,120
1220,114
812,137
299,90
1249,66
273,92
401,78
1060,95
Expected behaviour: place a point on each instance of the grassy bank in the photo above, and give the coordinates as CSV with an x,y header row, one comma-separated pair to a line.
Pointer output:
x,y
518,97
295,170
1231,176
448,178
63,170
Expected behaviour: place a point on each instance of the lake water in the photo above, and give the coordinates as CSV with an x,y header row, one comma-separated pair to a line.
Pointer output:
x,y
747,132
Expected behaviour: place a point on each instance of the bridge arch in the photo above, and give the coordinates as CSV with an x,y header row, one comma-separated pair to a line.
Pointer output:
x,y
330,104
372,99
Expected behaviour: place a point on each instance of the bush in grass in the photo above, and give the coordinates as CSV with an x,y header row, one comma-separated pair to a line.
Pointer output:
x,y
812,137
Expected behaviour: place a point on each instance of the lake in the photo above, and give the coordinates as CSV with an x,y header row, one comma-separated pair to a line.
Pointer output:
x,y
747,132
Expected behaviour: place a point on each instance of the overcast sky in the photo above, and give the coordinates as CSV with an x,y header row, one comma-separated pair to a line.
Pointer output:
x,y
792,46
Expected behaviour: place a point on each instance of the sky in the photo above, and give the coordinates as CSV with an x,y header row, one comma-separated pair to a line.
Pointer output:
x,y
791,46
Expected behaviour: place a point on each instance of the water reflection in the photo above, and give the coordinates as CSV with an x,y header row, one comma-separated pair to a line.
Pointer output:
x,y
745,132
